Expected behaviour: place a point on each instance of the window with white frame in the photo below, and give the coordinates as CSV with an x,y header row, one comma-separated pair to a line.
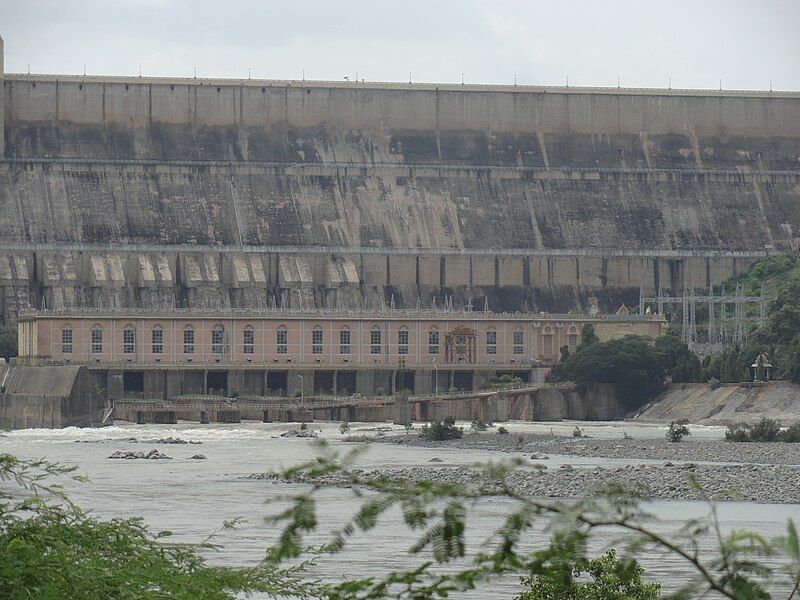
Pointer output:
x,y
547,341
402,341
375,341
157,339
97,339
491,341
128,340
248,340
519,341
282,340
572,338
344,340
316,340
188,340
218,340
66,339
433,341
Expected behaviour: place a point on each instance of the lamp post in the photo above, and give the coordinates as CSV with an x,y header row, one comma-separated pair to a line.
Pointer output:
x,y
435,378
302,392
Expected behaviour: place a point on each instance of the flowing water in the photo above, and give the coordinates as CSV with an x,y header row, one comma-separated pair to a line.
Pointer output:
x,y
192,498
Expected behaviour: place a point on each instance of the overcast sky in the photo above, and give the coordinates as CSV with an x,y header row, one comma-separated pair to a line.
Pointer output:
x,y
746,43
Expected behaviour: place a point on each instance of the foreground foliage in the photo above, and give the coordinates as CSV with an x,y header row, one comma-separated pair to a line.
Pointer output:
x,y
50,549
558,568
608,579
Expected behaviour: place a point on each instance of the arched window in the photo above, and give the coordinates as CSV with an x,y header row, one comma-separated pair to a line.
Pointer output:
x,y
97,339
433,340
188,340
572,338
66,339
128,340
248,340
519,341
282,340
316,340
375,340
547,341
344,340
402,340
157,339
218,340
491,341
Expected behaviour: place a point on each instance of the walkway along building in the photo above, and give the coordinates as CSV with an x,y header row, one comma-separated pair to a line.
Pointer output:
x,y
156,354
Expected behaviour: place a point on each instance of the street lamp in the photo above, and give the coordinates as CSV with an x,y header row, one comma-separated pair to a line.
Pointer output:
x,y
302,396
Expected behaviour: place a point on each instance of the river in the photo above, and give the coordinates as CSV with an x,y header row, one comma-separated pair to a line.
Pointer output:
x,y
193,497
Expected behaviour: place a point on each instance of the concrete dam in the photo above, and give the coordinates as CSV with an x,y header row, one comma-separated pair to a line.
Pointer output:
x,y
120,191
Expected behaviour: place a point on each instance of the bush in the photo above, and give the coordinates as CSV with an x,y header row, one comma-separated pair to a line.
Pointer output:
x,y
577,432
441,430
303,426
380,392
479,425
738,432
298,393
344,427
502,431
765,430
677,431
359,438
608,579
713,383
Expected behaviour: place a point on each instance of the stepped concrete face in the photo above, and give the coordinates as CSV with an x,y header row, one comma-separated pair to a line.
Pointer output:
x,y
314,193
727,404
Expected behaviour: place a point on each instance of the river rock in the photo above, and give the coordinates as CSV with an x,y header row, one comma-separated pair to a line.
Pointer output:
x,y
436,460
154,454
299,433
198,457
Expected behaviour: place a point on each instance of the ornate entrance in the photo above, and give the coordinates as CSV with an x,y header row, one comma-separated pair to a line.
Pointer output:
x,y
459,345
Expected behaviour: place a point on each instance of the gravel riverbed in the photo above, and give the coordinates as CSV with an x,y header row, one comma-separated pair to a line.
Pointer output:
x,y
763,453
757,483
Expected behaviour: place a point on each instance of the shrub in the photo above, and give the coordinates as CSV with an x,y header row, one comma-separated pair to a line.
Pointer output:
x,y
380,392
344,427
359,438
298,393
303,426
765,430
738,432
677,431
792,434
713,383
603,577
502,431
479,425
577,432
441,430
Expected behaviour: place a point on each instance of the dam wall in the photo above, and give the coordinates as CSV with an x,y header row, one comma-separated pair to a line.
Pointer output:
x,y
727,404
233,192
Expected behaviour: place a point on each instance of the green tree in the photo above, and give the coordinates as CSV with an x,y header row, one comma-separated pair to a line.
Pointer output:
x,y
608,579
679,363
632,364
588,336
8,341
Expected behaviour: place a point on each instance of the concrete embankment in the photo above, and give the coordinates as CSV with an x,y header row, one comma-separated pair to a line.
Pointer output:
x,y
729,403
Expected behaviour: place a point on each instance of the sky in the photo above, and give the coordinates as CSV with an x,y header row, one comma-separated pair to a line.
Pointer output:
x,y
634,43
